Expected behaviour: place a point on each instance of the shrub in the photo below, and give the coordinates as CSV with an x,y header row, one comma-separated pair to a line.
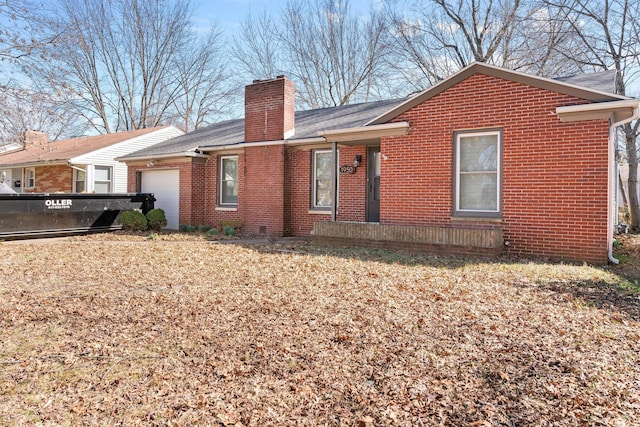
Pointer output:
x,y
213,232
133,221
203,228
156,219
186,228
230,223
229,231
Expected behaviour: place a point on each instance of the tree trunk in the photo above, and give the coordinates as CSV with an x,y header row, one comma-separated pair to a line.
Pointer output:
x,y
625,199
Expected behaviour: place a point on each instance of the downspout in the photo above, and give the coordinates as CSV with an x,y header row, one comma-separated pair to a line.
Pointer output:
x,y
612,169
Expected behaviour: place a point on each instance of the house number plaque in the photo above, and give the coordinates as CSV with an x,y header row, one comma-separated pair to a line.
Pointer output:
x,y
347,169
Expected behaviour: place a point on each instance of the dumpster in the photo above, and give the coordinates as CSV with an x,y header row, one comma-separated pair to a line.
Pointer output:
x,y
32,215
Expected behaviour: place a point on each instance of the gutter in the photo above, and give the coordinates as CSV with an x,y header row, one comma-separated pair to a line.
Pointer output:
x,y
619,111
35,164
356,134
239,146
161,156
612,158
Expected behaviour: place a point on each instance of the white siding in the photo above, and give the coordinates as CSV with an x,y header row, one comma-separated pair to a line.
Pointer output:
x,y
105,156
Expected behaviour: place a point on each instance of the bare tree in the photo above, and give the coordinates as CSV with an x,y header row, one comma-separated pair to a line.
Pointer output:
x,y
18,30
22,103
333,54
609,35
125,61
442,36
537,45
434,40
24,110
203,84
257,49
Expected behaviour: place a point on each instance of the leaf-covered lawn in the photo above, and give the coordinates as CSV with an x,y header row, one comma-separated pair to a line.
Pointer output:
x,y
197,333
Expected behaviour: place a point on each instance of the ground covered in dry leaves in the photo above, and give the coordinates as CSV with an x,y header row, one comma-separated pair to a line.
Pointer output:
x,y
103,331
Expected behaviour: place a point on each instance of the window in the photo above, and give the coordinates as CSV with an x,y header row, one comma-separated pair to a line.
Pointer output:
x,y
229,180
102,179
477,158
79,180
30,178
321,179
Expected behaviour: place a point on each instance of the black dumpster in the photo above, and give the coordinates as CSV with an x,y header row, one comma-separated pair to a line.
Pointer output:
x,y
24,216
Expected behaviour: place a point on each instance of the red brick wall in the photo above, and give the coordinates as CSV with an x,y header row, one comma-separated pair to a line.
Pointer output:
x,y
269,109
261,192
263,198
51,179
554,192
213,215
192,185
193,181
352,190
277,198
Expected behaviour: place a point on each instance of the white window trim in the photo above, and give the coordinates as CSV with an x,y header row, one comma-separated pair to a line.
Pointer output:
x,y
27,183
99,180
314,207
221,181
456,196
75,180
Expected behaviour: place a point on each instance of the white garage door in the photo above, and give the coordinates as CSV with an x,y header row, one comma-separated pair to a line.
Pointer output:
x,y
165,184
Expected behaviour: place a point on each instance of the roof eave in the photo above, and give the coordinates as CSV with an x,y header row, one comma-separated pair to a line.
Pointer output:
x,y
161,156
616,111
312,141
240,145
32,164
365,132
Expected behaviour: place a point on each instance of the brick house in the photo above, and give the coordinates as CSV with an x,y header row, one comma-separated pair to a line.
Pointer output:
x,y
85,164
488,160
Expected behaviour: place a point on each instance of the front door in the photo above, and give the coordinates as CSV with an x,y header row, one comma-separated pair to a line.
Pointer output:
x,y
373,184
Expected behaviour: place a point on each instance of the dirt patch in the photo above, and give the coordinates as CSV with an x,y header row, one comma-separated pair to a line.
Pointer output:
x,y
101,333
627,251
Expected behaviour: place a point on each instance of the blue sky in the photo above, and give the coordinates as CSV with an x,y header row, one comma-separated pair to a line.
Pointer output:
x,y
230,13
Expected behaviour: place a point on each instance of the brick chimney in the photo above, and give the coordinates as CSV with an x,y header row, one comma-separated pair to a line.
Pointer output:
x,y
269,109
34,137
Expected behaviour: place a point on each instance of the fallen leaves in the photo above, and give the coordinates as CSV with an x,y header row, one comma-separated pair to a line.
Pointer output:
x,y
190,332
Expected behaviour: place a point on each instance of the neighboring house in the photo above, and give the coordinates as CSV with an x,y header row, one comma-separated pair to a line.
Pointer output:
x,y
622,199
488,160
5,148
76,165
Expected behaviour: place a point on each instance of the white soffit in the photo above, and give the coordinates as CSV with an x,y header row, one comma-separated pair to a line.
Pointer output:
x,y
618,110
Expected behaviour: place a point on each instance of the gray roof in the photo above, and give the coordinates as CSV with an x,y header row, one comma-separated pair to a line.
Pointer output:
x,y
226,133
308,123
603,81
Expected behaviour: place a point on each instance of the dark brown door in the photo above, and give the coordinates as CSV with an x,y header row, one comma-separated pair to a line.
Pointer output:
x,y
373,184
